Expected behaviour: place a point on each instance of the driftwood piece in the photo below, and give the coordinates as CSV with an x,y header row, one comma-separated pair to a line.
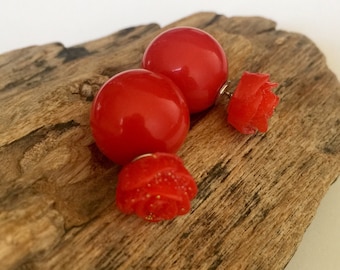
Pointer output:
x,y
257,194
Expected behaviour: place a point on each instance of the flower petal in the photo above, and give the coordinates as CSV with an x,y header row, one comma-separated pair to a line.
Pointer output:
x,y
252,103
155,187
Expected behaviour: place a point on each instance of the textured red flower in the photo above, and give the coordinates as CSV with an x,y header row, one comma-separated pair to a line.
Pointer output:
x,y
155,187
252,103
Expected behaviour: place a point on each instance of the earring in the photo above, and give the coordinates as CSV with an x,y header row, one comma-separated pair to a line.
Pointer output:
x,y
140,118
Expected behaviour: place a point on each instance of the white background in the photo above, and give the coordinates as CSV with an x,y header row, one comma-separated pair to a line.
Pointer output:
x,y
33,22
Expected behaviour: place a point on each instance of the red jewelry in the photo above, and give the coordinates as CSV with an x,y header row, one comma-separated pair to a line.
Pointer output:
x,y
155,187
193,60
140,118
138,112
252,103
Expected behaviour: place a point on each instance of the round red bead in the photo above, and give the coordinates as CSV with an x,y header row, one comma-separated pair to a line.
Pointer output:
x,y
138,112
191,58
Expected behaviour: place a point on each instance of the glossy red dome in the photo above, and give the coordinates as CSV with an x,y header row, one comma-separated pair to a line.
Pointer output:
x,y
193,60
138,112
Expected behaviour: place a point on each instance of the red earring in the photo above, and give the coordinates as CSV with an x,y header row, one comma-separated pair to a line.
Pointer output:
x,y
138,112
140,118
252,103
193,60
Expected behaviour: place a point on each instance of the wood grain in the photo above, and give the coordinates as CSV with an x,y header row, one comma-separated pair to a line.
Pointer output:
x,y
257,194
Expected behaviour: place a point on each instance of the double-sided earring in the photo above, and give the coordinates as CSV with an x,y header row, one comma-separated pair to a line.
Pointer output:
x,y
140,118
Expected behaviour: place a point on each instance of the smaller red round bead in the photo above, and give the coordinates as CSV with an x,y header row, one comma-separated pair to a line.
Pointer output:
x,y
193,60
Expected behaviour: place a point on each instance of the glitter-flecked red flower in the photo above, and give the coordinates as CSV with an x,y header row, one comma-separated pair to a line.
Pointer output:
x,y
155,187
252,103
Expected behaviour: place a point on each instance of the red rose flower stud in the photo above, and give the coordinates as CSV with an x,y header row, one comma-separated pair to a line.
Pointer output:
x,y
155,187
252,103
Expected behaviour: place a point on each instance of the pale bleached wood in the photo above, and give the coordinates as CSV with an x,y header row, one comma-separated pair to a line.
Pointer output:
x,y
257,194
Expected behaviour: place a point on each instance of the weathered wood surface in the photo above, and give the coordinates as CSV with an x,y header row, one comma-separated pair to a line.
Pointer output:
x,y
257,194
